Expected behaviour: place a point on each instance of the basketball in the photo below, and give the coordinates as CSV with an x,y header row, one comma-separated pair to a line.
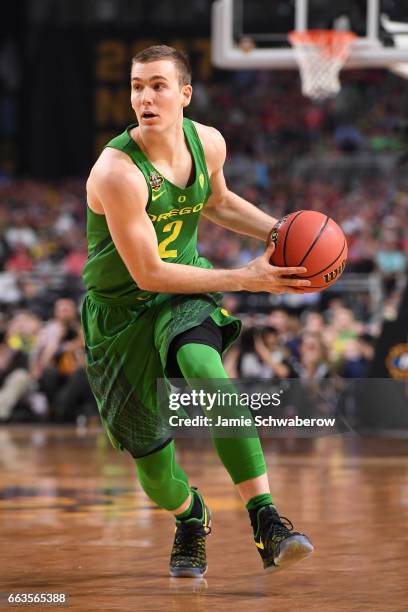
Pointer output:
x,y
311,239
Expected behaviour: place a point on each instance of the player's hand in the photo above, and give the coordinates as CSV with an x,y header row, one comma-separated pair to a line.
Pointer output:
x,y
260,275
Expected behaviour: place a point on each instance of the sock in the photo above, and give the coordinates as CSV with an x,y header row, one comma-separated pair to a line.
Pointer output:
x,y
162,479
264,499
242,456
195,509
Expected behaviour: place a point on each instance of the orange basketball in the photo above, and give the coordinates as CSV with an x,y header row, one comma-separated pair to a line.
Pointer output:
x,y
313,240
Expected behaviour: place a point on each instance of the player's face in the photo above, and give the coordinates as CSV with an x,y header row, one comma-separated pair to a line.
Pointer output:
x,y
156,95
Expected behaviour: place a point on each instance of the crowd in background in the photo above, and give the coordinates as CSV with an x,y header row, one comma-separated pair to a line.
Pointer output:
x,y
345,157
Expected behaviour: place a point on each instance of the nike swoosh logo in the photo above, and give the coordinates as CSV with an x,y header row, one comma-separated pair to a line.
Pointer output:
x,y
259,544
157,196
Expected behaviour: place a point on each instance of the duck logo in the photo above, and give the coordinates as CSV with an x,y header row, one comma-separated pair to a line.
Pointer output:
x,y
155,181
397,361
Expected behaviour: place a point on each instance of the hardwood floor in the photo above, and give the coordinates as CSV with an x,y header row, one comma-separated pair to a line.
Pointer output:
x,y
73,519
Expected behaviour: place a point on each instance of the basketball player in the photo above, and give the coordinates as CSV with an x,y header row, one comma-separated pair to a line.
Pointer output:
x,y
153,308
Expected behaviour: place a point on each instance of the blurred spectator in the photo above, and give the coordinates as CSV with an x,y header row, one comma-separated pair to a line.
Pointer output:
x,y
313,321
357,356
391,262
243,361
342,328
58,352
313,358
16,344
272,354
260,353
278,318
22,332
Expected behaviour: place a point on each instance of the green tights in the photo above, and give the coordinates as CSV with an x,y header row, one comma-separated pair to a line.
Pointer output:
x,y
162,479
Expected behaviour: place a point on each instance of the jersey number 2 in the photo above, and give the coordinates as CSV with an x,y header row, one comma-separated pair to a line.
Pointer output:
x,y
174,227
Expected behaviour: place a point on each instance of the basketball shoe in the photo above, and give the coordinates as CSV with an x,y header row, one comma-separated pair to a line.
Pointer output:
x,y
188,558
277,543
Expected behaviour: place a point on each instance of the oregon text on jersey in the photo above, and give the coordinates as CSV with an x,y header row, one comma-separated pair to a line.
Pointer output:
x,y
176,212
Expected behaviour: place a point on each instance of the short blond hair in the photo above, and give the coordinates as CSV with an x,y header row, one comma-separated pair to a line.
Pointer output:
x,y
159,52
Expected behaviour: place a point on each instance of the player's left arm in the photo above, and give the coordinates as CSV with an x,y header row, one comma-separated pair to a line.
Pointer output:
x,y
225,207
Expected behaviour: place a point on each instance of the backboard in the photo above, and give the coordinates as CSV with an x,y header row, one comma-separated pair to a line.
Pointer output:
x,y
266,24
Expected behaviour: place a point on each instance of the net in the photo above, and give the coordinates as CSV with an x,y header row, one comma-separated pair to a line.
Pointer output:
x,y
321,54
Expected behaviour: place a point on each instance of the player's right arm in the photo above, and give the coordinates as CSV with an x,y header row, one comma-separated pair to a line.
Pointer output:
x,y
119,188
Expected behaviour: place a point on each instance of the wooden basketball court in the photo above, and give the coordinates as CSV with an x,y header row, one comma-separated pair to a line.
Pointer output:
x,y
74,520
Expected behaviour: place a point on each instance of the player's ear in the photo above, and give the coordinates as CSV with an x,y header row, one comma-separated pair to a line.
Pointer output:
x,y
186,92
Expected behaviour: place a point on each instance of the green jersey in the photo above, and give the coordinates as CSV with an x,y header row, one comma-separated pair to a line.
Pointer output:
x,y
128,331
173,211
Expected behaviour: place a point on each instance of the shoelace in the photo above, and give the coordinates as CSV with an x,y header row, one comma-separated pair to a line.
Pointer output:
x,y
187,535
280,527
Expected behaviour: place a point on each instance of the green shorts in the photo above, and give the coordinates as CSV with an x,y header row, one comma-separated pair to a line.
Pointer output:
x,y
126,352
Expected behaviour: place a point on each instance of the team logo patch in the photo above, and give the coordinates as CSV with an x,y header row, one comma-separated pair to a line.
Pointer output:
x,y
201,180
155,181
397,361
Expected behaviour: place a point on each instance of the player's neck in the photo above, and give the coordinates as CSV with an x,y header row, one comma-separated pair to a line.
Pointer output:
x,y
168,146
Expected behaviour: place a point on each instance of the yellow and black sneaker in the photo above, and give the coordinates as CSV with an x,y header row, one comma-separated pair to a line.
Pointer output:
x,y
277,543
188,558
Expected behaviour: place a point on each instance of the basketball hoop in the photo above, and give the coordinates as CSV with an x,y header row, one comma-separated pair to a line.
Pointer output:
x,y
321,54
